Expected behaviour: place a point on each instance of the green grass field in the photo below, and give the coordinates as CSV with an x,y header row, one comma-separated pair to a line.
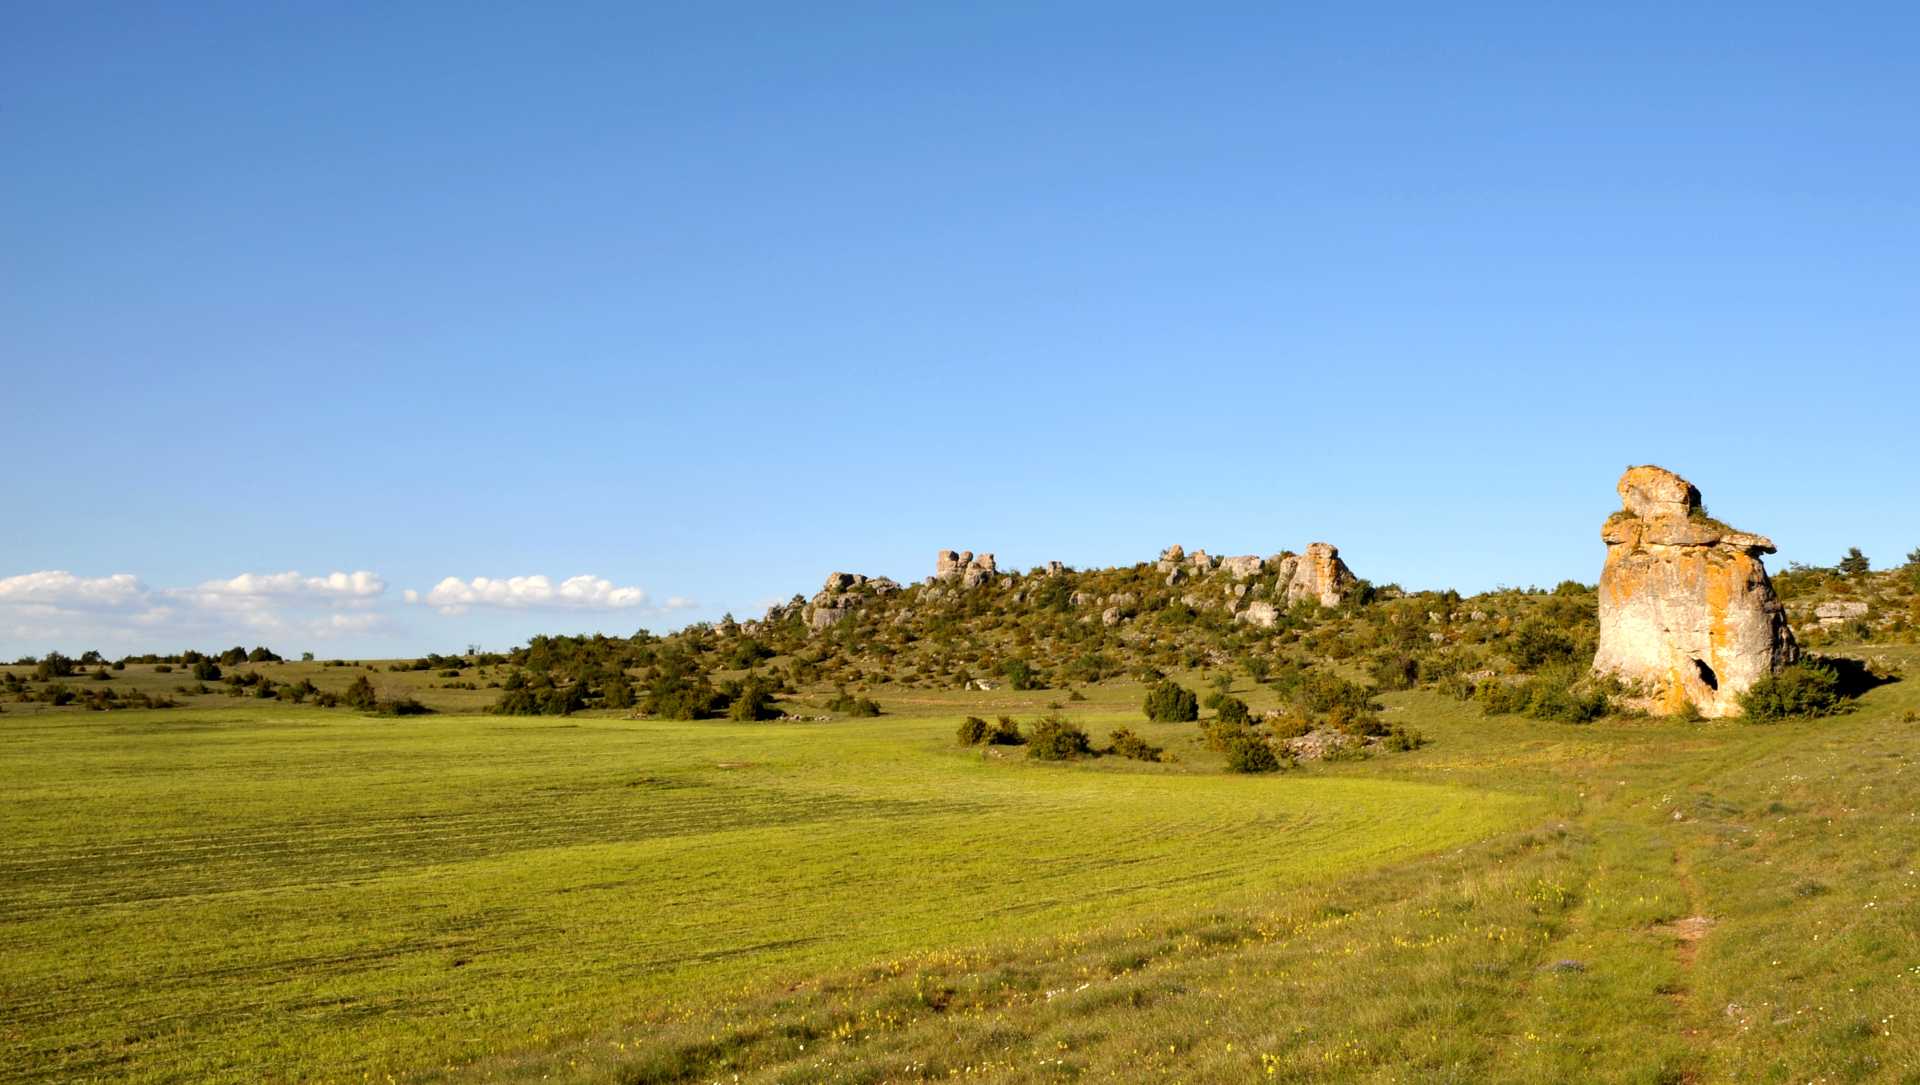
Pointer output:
x,y
271,892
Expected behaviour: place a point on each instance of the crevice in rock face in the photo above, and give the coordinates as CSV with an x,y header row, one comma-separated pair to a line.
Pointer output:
x,y
1706,674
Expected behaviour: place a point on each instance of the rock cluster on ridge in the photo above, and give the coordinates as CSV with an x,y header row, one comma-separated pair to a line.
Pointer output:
x,y
963,566
1247,588
1686,608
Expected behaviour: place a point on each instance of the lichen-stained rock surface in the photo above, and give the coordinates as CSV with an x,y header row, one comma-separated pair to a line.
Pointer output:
x,y
1320,575
1686,609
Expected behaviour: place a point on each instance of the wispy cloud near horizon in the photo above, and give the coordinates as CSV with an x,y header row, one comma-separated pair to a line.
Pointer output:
x,y
453,596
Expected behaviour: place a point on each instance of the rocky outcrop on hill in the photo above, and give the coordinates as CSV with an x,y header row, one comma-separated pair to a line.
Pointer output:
x,y
963,566
1686,608
838,598
1320,575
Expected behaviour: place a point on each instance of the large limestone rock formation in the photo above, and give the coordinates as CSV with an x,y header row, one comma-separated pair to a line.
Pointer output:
x,y
963,566
1320,575
837,599
1686,609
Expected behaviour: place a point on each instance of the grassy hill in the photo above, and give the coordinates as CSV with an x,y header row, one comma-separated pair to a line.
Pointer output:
x,y
291,893
264,882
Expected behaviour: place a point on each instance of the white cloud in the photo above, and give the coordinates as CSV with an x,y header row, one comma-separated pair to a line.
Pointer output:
x,y
57,587
455,596
55,605
336,585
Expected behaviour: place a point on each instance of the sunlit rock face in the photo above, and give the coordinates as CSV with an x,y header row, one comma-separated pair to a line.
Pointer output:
x,y
1686,609
1320,575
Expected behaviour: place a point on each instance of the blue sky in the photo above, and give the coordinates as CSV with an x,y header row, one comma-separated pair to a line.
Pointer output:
x,y
701,302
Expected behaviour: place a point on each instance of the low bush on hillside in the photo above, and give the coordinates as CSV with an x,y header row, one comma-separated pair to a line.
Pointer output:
x,y
753,700
850,705
1560,693
1021,675
1127,744
1348,720
1539,643
403,706
973,731
1401,740
1169,702
1232,710
360,695
1005,732
1246,749
1395,671
1055,739
1289,724
1809,688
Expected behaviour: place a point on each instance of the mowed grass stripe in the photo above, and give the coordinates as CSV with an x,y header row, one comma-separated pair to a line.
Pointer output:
x,y
357,895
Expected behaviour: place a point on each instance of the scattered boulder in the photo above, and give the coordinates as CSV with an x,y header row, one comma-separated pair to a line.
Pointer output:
x,y
821,617
1110,616
1839,613
1260,614
1244,567
1686,608
1171,558
1320,575
1318,743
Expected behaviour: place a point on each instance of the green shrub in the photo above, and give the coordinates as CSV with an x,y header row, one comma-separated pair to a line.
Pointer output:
x,y
677,690
1168,702
1810,688
617,691
1251,753
755,701
1396,671
1127,744
512,702
847,704
1005,732
1538,643
973,731
1232,710
564,700
1021,675
1560,693
360,695
403,706
1400,740
206,670
1290,725
1054,739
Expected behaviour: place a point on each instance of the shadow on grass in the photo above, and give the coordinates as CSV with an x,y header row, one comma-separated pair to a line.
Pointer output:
x,y
1855,676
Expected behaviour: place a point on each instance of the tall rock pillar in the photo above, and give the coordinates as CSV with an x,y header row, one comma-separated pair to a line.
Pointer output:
x,y
1686,609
